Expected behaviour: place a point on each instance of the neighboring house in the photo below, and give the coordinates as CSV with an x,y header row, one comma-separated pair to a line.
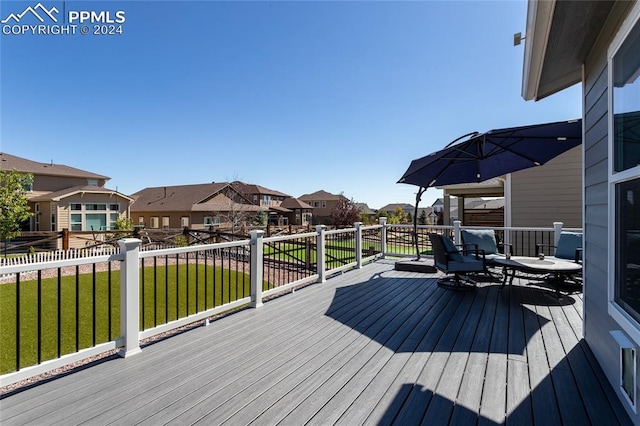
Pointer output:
x,y
438,205
216,204
367,211
601,50
63,197
534,197
269,199
198,206
408,209
323,203
299,212
430,217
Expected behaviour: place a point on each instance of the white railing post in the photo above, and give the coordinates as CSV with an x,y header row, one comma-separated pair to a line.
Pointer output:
x,y
358,247
456,232
320,253
557,229
130,296
383,236
257,263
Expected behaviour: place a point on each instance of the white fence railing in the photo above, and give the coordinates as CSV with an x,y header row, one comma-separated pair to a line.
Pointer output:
x,y
130,261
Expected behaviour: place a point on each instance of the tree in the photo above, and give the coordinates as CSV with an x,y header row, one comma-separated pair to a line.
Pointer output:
x,y
346,213
14,208
422,219
261,218
401,215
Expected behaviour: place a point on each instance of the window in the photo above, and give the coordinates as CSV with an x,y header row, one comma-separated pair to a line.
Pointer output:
x,y
113,217
624,125
165,222
76,222
92,182
53,222
37,207
212,221
83,217
266,200
140,220
37,219
154,222
627,249
98,207
184,222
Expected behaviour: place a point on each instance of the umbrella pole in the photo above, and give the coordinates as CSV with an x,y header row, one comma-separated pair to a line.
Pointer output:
x,y
415,220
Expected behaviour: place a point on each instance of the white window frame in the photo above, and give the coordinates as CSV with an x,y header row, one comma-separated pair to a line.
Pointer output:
x,y
166,220
184,222
629,325
154,220
213,221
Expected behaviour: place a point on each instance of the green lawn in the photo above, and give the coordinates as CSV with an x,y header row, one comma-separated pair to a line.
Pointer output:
x,y
169,298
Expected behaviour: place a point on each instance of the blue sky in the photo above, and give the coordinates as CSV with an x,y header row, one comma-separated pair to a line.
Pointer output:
x,y
294,96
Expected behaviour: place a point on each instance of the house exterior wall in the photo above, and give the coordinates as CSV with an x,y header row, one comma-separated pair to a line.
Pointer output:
x,y
597,321
322,209
550,193
196,219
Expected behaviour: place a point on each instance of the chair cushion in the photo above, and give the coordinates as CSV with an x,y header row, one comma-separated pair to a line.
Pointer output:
x,y
452,250
485,239
467,264
490,258
567,245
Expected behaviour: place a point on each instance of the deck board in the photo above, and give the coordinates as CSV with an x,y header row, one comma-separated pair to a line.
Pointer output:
x,y
370,346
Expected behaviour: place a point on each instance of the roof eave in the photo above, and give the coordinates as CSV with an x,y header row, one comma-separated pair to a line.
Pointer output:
x,y
539,18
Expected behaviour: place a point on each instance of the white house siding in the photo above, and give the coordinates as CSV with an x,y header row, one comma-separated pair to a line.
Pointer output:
x,y
597,322
550,193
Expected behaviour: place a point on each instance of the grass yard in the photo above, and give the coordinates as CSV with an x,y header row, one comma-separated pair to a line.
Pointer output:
x,y
178,292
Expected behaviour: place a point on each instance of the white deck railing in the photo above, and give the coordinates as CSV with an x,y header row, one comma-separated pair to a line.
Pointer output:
x,y
129,258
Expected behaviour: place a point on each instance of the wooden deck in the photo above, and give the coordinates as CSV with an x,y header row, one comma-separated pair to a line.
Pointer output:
x,y
372,346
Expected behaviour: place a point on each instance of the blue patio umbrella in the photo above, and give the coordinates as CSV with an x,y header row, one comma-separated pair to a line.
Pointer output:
x,y
482,156
477,157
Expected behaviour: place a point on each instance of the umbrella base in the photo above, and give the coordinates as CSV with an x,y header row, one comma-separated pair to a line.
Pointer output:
x,y
424,266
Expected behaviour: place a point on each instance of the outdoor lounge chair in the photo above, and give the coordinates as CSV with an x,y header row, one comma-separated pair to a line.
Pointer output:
x,y
485,241
569,247
450,260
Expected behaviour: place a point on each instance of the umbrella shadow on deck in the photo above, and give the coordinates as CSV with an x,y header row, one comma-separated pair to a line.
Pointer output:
x,y
415,315
574,391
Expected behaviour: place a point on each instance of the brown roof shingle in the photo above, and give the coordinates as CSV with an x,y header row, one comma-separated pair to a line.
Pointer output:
x,y
10,162
174,198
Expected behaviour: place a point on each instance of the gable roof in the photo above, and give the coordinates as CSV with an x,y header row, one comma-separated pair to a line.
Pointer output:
x,y
394,206
174,198
321,196
23,165
68,192
364,208
250,189
222,203
294,203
